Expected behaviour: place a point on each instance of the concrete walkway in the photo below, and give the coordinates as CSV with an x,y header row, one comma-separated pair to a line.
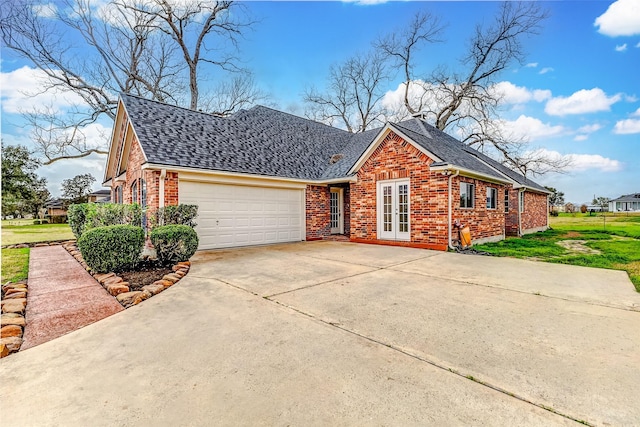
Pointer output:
x,y
62,297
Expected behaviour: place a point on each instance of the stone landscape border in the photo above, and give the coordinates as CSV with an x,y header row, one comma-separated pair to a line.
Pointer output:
x,y
13,303
119,289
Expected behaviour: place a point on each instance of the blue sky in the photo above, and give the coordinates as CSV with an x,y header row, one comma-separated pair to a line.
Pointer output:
x,y
576,95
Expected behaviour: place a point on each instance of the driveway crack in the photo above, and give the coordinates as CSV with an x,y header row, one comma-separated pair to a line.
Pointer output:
x,y
434,363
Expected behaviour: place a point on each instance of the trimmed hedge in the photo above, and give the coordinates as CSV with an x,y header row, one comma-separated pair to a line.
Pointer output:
x,y
77,215
85,216
112,248
174,243
176,214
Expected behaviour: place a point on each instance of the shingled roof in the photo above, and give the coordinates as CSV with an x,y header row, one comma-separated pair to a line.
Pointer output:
x,y
264,141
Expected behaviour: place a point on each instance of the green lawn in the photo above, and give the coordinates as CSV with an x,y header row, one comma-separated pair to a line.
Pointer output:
x,y
15,264
617,238
12,234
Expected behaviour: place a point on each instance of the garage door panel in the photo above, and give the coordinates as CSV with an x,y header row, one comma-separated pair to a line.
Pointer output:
x,y
232,215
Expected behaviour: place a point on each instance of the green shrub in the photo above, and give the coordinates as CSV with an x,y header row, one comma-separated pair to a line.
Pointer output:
x,y
36,222
174,243
44,221
77,215
176,215
85,216
112,248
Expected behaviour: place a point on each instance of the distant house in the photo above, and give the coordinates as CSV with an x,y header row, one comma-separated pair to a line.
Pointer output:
x,y
627,203
100,196
56,211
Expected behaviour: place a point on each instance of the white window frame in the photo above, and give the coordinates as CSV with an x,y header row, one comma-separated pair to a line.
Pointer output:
x,y
506,200
492,198
521,201
468,187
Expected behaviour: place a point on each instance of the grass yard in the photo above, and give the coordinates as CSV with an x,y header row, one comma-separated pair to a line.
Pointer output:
x,y
15,264
616,237
31,233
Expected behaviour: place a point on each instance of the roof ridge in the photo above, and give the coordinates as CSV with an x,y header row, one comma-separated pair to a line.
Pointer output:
x,y
155,101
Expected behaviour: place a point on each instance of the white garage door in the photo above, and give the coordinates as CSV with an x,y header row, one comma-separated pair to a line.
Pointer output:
x,y
237,215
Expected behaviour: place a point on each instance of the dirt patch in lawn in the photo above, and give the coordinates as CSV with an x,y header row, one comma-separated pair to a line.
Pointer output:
x,y
145,274
572,235
578,247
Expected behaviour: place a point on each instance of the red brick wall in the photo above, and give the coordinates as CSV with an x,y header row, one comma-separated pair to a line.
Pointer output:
x,y
395,159
317,212
152,179
483,222
535,215
511,220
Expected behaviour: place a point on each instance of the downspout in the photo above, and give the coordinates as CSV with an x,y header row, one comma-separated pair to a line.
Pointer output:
x,y
520,191
449,211
163,175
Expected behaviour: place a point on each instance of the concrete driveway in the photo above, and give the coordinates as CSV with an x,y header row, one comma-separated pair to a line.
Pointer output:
x,y
325,333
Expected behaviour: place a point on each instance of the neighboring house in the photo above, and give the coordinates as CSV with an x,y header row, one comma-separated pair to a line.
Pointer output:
x,y
263,176
100,196
56,211
628,203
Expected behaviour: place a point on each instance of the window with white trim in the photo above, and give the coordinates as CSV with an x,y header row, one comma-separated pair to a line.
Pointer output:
x,y
143,192
521,200
466,195
506,200
134,192
492,198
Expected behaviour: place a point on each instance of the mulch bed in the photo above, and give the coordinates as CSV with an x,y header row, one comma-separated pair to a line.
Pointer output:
x,y
146,273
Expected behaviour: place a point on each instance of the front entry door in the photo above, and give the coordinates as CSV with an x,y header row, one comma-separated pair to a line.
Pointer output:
x,y
335,205
393,210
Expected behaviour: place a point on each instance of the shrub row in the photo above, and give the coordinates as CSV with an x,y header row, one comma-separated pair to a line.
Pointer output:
x,y
176,214
110,236
85,216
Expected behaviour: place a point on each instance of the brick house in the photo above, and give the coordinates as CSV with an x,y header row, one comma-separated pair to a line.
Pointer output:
x,y
263,176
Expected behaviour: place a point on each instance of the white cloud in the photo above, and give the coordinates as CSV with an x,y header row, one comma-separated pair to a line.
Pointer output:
x,y
583,162
622,18
512,94
585,131
529,129
590,128
48,10
22,91
531,65
628,126
621,47
546,70
636,113
580,102
638,45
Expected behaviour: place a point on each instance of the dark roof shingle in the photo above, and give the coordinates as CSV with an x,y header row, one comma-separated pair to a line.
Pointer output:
x,y
268,142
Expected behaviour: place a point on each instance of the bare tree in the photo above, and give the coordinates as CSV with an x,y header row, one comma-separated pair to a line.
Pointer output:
x,y
231,96
465,102
354,91
92,51
83,53
402,47
178,21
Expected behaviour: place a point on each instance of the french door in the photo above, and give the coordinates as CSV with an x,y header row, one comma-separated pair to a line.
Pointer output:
x,y
335,206
393,210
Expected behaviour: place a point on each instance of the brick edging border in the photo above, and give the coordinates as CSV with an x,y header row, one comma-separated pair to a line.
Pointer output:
x,y
119,289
